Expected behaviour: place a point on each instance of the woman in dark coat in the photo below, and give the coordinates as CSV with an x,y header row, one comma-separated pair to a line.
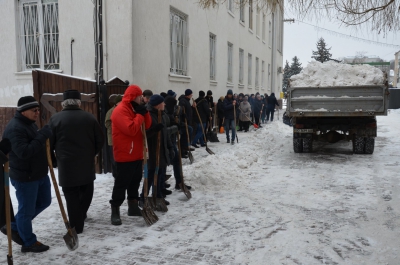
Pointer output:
x,y
271,103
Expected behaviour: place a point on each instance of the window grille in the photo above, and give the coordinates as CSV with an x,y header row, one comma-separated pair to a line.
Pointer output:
x,y
230,58
179,43
39,34
212,56
242,5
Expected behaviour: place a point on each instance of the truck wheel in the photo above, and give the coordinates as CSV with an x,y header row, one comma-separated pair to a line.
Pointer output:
x,y
358,145
298,145
369,145
307,145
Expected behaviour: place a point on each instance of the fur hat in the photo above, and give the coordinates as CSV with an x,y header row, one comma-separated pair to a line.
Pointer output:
x,y
71,94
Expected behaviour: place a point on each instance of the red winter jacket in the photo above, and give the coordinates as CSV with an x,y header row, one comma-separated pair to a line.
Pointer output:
x,y
126,128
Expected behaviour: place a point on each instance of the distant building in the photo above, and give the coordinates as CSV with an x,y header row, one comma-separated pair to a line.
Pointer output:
x,y
159,45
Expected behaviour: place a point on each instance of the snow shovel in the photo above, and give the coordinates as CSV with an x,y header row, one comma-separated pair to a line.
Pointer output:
x,y
191,159
234,116
255,125
70,238
182,184
148,214
204,136
8,212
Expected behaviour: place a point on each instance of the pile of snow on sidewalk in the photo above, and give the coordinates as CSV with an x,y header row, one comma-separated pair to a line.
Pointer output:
x,y
331,73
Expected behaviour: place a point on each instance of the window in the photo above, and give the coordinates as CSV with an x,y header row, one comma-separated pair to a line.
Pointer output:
x,y
270,34
262,74
212,56
249,71
269,75
280,31
242,5
230,58
230,5
178,52
241,62
250,14
39,35
257,84
258,22
263,27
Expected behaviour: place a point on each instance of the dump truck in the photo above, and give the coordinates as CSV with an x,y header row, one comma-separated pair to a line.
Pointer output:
x,y
336,113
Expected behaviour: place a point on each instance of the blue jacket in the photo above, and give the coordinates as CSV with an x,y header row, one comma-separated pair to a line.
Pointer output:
x,y
28,160
228,108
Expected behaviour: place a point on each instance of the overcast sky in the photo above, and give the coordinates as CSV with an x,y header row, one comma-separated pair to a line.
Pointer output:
x,y
300,39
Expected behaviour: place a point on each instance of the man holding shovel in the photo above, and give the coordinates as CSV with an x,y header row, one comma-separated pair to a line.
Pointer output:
x,y
28,171
126,122
77,139
229,102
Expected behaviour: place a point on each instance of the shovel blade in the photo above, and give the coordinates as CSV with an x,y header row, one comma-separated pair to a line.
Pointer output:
x,y
185,190
209,151
71,239
191,159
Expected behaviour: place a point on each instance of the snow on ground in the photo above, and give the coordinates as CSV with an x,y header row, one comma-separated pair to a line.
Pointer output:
x,y
330,73
256,202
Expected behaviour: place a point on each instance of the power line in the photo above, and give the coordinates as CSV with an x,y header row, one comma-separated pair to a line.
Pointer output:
x,y
351,37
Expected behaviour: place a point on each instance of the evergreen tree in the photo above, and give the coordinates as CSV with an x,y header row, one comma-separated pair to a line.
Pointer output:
x,y
295,67
322,53
286,76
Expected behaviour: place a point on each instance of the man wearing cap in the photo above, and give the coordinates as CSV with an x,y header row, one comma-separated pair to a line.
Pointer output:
x,y
28,171
187,114
77,139
229,102
146,96
107,123
166,151
126,121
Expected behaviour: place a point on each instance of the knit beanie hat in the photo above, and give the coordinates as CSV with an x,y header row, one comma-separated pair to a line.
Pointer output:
x,y
26,103
155,100
230,92
201,93
188,92
147,93
71,94
171,93
209,93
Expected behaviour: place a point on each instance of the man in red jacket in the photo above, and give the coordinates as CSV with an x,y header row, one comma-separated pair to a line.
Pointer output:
x,y
127,119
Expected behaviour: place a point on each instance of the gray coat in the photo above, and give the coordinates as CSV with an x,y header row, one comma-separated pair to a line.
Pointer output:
x,y
245,110
77,138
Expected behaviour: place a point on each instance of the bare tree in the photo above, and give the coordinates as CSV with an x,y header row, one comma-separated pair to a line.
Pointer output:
x,y
381,16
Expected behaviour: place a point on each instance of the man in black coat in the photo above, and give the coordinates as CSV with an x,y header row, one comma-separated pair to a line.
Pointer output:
x,y
229,102
258,106
271,103
77,139
203,110
28,170
187,114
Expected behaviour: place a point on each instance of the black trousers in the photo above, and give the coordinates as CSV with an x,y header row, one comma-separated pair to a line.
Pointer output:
x,y
129,175
113,163
78,201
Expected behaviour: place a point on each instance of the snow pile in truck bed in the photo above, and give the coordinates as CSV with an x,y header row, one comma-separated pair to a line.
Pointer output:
x,y
330,73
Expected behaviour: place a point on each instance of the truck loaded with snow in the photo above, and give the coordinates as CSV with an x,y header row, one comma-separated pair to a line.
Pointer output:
x,y
332,101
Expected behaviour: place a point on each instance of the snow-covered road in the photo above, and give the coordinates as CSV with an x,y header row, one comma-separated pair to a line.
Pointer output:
x,y
256,202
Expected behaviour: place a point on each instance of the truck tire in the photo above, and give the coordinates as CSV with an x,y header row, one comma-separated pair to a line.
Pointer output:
x,y
298,145
307,145
369,145
358,144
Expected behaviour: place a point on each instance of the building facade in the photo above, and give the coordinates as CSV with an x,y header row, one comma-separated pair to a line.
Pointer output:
x,y
159,45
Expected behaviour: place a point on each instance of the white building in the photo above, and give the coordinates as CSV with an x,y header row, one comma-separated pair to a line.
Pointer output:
x,y
157,44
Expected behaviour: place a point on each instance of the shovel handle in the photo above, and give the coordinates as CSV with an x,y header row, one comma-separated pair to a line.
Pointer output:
x,y
8,210
57,191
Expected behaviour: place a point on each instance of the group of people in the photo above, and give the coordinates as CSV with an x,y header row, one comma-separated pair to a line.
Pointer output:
x,y
138,119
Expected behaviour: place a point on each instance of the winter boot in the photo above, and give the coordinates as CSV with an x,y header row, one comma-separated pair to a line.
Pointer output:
x,y
14,235
35,247
228,141
133,208
115,217
232,142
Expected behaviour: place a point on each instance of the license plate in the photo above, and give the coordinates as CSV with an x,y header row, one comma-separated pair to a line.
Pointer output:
x,y
303,130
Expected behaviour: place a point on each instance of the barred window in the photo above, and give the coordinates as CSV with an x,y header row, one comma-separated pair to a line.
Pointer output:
x,y
241,62
39,34
179,43
212,56
242,5
230,58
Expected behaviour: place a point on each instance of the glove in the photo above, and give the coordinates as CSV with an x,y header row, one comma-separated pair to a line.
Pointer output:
x,y
139,109
54,162
158,127
171,154
5,146
46,131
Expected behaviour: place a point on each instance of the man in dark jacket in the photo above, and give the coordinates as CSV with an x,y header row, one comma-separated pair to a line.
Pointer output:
x,y
203,110
271,103
258,106
28,170
220,112
77,139
229,102
167,153
187,114
211,105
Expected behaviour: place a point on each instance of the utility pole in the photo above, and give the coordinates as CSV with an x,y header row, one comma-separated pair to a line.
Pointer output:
x,y
396,68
